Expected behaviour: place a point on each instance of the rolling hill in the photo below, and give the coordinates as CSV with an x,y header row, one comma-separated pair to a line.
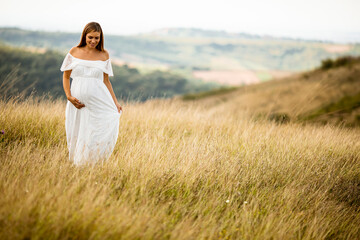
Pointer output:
x,y
327,94
197,53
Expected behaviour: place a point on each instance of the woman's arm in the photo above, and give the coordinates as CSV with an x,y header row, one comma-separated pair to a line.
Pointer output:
x,y
66,83
66,86
109,86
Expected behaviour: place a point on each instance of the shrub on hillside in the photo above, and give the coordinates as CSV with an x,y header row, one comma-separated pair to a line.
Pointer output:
x,y
339,62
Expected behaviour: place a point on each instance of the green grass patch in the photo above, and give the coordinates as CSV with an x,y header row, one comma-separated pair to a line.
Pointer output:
x,y
215,92
345,105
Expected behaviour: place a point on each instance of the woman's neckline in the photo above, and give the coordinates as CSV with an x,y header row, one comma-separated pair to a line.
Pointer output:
x,y
89,60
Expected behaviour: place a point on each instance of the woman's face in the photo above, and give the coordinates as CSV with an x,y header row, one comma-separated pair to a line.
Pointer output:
x,y
92,39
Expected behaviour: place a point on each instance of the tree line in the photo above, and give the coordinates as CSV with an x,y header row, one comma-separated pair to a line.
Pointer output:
x,y
40,73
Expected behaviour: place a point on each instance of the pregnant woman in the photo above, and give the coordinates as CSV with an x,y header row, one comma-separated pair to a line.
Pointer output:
x,y
92,111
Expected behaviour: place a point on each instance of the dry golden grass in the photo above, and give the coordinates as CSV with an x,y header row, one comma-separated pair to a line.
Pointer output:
x,y
295,95
179,171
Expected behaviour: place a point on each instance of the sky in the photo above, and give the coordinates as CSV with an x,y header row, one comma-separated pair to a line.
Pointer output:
x,y
334,20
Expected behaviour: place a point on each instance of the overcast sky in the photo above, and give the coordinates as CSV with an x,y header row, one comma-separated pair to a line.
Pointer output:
x,y
337,20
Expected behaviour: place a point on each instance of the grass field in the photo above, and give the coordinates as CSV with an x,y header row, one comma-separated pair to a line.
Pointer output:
x,y
178,171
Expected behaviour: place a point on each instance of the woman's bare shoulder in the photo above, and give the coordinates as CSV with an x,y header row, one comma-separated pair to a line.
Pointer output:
x,y
106,54
74,50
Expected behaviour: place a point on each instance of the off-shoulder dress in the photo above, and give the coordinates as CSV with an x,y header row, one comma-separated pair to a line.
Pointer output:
x,y
92,131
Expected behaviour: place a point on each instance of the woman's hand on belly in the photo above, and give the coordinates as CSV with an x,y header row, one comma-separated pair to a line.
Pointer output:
x,y
76,102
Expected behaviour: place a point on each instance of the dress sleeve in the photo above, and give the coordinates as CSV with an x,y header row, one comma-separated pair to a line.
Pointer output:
x,y
108,68
67,63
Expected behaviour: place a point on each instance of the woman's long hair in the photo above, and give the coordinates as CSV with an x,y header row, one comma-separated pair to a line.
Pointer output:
x,y
92,27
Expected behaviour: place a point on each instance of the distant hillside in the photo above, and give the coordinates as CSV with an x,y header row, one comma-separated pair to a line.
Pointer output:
x,y
24,71
196,32
187,51
328,94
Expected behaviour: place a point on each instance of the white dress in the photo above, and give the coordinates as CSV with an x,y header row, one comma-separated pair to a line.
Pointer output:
x,y
92,131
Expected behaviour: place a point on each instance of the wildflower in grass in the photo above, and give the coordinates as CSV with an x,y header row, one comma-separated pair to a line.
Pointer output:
x,y
227,201
2,132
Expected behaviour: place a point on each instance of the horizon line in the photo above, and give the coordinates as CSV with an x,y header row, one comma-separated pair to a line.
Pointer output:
x,y
259,35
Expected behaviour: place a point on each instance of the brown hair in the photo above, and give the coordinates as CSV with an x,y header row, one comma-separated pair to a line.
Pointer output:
x,y
92,27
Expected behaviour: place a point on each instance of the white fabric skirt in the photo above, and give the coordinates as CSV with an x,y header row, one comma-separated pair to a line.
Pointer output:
x,y
91,131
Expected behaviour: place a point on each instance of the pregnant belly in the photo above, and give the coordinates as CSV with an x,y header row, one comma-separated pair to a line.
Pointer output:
x,y
93,93
84,89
